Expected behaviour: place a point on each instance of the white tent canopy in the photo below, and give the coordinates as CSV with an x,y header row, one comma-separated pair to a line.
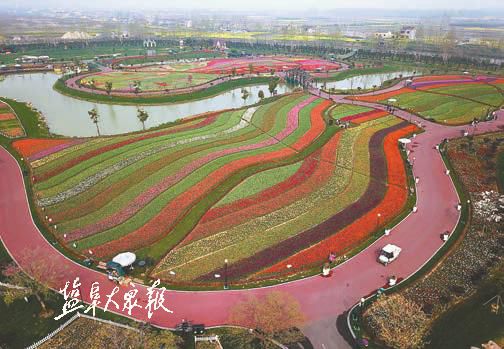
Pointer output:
x,y
404,140
392,100
125,259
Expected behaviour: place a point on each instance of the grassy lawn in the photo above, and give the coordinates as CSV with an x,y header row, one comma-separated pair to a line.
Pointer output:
x,y
480,93
442,108
343,110
468,324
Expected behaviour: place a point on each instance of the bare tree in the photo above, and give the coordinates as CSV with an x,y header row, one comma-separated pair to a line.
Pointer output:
x,y
276,315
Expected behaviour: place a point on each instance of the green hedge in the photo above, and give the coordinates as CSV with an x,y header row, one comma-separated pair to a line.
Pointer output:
x,y
161,99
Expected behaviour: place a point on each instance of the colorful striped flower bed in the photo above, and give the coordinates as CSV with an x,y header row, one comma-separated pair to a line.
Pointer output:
x,y
256,185
10,126
264,64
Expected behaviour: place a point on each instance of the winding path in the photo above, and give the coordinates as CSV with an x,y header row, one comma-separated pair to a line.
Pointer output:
x,y
322,300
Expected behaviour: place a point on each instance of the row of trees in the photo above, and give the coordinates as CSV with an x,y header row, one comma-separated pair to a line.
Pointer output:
x,y
142,116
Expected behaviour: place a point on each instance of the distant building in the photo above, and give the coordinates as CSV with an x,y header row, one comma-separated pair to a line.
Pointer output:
x,y
408,32
76,36
220,46
386,35
149,43
33,59
188,24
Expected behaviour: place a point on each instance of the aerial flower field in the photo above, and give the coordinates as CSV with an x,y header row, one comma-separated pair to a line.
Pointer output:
x,y
180,75
260,186
450,99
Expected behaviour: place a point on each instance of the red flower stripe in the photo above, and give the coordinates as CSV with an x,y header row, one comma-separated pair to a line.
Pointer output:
x,y
364,119
373,113
439,77
7,116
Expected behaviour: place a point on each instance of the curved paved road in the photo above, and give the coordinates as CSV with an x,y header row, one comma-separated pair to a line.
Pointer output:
x,y
322,300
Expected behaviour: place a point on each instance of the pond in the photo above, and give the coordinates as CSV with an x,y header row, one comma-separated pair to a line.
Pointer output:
x,y
365,81
69,116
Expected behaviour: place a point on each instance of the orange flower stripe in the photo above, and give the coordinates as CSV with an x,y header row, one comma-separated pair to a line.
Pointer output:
x,y
28,147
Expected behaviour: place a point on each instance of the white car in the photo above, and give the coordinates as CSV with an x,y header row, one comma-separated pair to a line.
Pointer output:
x,y
389,253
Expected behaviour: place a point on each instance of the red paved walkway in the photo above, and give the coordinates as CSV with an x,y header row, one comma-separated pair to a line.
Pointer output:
x,y
321,299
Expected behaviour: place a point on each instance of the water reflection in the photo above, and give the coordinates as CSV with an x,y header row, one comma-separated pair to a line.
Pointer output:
x,y
364,81
68,116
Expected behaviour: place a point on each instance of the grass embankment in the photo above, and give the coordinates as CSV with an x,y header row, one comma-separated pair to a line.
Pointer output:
x,y
346,74
468,324
161,99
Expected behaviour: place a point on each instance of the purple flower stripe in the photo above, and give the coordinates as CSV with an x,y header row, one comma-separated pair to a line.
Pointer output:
x,y
143,199
55,149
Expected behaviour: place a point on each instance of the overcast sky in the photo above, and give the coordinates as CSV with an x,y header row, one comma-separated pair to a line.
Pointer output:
x,y
262,4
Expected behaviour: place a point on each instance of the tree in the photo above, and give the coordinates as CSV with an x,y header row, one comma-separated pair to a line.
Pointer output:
x,y
245,94
448,44
108,87
276,315
251,68
92,83
94,116
397,322
142,115
233,71
260,94
137,86
40,273
272,85
189,79
162,339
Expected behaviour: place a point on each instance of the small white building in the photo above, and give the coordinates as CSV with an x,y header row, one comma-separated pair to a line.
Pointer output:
x,y
385,35
33,59
408,32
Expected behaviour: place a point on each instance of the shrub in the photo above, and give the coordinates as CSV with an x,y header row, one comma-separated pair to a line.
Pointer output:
x,y
397,322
